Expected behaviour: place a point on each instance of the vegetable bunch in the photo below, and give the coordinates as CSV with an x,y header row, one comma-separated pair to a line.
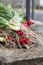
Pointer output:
x,y
13,21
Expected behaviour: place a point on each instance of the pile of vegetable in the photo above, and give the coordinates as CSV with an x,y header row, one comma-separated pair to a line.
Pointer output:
x,y
14,31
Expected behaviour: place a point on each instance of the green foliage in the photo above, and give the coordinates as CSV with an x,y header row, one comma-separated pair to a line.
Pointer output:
x,y
6,12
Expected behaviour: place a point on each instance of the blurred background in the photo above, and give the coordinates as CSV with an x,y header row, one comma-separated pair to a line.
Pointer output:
x,y
21,4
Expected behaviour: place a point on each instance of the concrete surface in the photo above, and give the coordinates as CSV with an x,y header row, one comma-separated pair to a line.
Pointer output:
x,y
32,56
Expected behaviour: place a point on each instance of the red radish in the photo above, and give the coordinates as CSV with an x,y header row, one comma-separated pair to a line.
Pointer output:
x,y
29,22
10,38
27,41
25,24
24,41
21,40
20,32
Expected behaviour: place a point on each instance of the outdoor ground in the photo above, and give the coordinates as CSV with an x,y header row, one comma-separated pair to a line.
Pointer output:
x,y
38,15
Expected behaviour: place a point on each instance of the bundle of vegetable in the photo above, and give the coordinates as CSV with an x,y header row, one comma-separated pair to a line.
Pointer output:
x,y
16,33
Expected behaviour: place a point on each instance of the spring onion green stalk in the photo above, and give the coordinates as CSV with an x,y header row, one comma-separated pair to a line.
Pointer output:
x,y
6,12
9,18
6,23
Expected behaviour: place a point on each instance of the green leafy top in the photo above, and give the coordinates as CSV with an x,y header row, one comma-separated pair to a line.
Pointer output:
x,y
7,13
